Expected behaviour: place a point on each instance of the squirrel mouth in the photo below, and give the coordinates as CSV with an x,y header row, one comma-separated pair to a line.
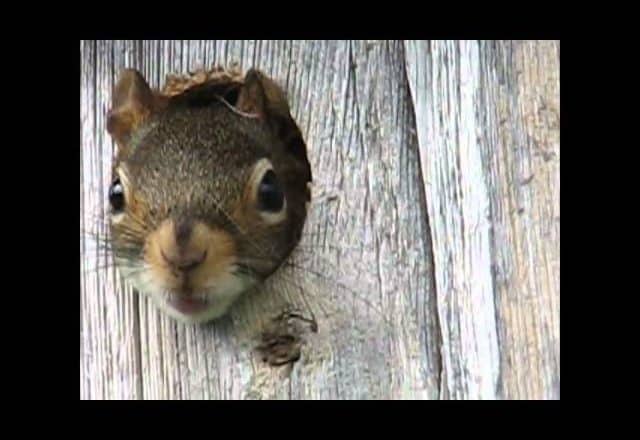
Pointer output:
x,y
188,304
185,302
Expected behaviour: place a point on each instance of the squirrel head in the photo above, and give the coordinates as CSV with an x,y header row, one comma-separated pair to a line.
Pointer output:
x,y
210,188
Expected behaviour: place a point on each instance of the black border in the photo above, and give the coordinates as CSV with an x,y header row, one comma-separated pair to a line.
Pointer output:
x,y
47,192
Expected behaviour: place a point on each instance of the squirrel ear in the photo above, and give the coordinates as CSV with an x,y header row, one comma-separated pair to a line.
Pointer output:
x,y
261,96
132,103
251,98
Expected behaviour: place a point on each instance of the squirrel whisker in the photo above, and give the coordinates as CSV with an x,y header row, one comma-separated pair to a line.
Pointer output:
x,y
235,110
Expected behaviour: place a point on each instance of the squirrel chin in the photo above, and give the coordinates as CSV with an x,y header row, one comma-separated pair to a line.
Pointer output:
x,y
199,309
198,315
197,306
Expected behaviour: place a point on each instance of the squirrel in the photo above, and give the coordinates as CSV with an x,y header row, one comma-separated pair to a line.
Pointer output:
x,y
210,188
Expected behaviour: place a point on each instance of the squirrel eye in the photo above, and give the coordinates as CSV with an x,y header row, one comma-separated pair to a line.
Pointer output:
x,y
116,196
270,195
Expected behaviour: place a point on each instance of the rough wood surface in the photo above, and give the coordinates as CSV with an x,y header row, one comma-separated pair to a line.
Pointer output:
x,y
430,259
488,126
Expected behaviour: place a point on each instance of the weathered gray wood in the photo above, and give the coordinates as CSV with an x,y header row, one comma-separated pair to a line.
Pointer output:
x,y
488,118
376,338
480,322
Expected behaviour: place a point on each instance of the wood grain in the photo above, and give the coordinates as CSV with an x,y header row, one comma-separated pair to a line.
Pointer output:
x,y
488,122
430,258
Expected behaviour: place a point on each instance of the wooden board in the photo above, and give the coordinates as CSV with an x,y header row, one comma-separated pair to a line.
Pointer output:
x,y
430,258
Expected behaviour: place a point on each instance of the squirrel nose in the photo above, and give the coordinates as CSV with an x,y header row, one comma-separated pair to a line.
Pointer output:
x,y
186,262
